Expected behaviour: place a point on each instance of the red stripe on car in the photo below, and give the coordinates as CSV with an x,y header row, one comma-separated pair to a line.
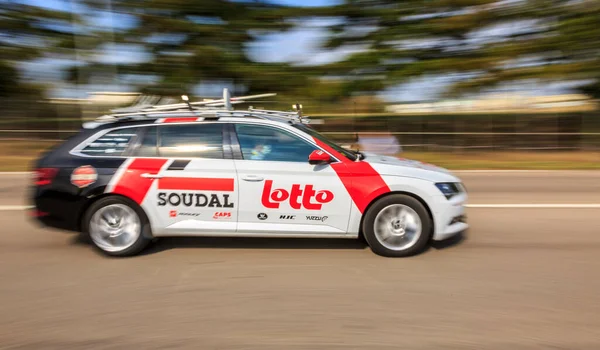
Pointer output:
x,y
180,120
195,184
132,184
362,182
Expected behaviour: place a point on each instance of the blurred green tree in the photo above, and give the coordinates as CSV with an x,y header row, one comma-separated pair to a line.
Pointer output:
x,y
28,32
192,42
564,48
482,43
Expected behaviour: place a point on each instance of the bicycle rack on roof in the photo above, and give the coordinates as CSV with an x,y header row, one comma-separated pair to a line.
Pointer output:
x,y
152,107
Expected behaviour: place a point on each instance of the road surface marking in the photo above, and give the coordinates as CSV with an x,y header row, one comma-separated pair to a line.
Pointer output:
x,y
526,172
14,207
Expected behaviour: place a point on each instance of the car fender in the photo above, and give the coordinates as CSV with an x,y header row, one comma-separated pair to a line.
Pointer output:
x,y
423,190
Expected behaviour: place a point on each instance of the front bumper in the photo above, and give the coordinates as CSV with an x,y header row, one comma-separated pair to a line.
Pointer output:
x,y
451,219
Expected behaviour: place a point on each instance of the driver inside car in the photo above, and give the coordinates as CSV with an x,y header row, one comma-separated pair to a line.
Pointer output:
x,y
260,151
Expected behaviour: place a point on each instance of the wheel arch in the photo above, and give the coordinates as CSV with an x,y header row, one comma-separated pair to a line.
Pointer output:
x,y
406,193
98,196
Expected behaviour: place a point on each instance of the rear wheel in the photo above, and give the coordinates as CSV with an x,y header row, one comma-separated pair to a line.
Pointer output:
x,y
397,225
117,226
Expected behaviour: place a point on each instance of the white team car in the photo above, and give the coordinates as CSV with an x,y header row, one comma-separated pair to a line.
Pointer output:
x,y
209,171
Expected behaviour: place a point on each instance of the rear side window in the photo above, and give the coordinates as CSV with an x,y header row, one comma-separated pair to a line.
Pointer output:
x,y
191,141
113,143
149,144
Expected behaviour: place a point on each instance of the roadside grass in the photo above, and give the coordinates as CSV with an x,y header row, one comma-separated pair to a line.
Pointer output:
x,y
20,155
16,163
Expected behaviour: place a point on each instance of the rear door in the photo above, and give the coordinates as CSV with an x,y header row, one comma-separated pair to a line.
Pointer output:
x,y
280,192
192,187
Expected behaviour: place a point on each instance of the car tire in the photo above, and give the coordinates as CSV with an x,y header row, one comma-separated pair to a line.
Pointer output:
x,y
397,226
128,233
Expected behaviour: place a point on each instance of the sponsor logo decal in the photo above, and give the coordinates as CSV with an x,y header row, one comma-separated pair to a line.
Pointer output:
x,y
84,176
189,214
222,215
298,197
262,216
174,213
200,200
316,218
287,217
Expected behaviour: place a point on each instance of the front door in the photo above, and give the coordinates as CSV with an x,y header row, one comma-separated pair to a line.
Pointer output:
x,y
280,192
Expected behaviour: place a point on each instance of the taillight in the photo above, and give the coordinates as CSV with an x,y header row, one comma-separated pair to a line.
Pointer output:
x,y
44,176
37,213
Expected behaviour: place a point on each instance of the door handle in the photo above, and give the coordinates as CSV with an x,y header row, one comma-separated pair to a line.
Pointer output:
x,y
151,176
253,178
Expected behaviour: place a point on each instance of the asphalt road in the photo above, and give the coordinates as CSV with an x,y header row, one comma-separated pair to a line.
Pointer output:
x,y
519,279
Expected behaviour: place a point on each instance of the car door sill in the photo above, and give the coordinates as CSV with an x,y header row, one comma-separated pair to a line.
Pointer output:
x,y
259,235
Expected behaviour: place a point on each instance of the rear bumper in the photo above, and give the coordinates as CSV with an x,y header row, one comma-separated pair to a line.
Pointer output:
x,y
55,222
54,209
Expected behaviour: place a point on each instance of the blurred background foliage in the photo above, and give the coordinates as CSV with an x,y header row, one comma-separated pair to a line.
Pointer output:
x,y
171,46
438,75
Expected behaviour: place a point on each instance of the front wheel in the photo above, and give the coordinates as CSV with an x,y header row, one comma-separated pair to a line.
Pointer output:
x,y
116,226
397,226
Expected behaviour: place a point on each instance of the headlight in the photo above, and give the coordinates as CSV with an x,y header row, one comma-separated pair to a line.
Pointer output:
x,y
449,189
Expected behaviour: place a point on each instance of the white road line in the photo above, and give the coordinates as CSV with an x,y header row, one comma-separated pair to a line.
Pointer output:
x,y
14,207
536,206
525,171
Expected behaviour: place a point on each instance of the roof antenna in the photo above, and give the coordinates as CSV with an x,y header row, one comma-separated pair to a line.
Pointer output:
x,y
298,107
227,99
186,99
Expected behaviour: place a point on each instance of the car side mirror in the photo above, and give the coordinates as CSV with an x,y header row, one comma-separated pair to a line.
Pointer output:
x,y
319,157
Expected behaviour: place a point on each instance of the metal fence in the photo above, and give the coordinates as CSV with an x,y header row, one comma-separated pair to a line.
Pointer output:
x,y
488,141
463,133
439,133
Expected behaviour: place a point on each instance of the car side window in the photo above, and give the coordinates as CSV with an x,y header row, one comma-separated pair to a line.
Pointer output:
x,y
113,143
261,142
149,144
191,140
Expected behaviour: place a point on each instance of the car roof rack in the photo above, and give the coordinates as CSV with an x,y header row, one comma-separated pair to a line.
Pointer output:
x,y
154,107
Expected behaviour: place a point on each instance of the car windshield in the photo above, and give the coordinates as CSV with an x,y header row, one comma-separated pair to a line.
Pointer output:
x,y
347,153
